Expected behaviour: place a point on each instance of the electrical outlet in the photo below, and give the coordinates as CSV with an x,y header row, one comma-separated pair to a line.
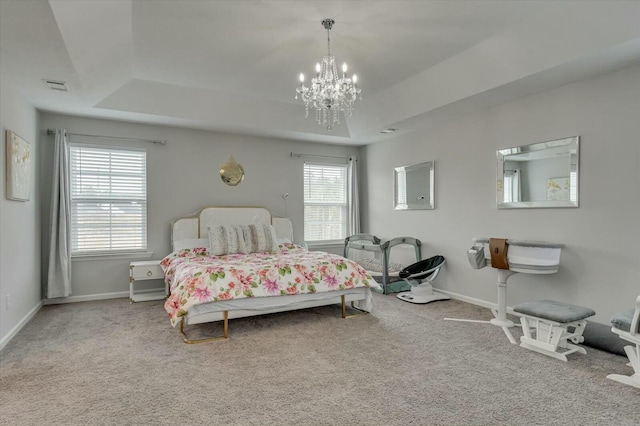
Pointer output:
x,y
8,303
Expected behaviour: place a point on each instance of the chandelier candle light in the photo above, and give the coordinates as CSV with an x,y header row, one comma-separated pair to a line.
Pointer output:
x,y
329,94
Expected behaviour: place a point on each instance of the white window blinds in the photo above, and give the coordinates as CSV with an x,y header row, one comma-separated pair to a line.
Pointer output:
x,y
325,202
108,188
507,188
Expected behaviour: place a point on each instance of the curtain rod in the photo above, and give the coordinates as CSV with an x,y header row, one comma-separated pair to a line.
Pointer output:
x,y
53,132
295,154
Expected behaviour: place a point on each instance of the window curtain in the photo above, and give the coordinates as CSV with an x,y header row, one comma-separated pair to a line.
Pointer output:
x,y
512,186
353,200
516,188
59,268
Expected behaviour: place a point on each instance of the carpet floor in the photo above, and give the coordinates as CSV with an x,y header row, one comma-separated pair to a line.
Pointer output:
x,y
114,363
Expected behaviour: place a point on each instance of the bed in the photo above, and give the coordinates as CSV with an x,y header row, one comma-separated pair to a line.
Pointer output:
x,y
206,286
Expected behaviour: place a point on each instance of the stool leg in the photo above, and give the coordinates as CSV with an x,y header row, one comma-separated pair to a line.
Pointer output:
x,y
550,336
633,380
633,353
534,347
526,328
634,357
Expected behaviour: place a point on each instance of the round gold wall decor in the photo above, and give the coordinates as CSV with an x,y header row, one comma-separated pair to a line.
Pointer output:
x,y
231,172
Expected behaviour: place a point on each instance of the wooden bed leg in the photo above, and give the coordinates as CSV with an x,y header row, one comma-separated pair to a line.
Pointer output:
x,y
208,339
344,309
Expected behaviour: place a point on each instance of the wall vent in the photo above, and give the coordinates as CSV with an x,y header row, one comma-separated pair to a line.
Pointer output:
x,y
390,130
57,85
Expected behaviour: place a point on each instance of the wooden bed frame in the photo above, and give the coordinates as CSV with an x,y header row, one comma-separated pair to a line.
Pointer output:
x,y
196,226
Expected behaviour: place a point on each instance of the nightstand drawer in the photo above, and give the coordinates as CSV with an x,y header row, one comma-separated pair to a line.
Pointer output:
x,y
146,272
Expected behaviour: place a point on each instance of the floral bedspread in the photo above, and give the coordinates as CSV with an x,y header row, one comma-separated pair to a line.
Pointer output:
x,y
195,276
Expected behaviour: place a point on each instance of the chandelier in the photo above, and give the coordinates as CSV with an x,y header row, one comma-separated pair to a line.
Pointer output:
x,y
329,93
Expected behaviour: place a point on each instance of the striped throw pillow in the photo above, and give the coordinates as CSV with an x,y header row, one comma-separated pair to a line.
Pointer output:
x,y
225,239
260,238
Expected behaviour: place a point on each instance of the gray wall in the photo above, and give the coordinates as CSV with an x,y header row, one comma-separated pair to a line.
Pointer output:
x,y
19,221
600,266
182,177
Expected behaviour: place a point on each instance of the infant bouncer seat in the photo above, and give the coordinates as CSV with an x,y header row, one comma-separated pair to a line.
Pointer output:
x,y
422,292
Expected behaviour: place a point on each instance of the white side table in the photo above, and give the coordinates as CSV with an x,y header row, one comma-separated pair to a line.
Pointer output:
x,y
142,271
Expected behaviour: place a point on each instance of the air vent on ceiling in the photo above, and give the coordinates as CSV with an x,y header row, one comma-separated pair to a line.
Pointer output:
x,y
57,85
388,130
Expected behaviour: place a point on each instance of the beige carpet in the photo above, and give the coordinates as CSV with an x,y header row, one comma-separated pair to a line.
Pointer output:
x,y
113,363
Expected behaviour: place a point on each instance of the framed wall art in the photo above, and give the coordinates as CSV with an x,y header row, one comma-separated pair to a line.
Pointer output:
x,y
18,167
558,188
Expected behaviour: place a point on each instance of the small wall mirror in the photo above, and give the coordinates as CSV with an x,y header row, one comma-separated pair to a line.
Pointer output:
x,y
413,187
539,175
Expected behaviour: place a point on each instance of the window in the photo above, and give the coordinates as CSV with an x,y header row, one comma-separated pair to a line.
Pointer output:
x,y
108,188
325,202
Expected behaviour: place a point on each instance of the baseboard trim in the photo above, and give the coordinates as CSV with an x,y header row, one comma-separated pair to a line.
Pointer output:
x,y
472,300
71,299
92,297
6,339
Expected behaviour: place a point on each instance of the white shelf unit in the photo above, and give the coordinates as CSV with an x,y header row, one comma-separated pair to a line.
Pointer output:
x,y
144,271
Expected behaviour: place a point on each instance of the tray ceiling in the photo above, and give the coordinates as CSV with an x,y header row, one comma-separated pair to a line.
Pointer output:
x,y
232,65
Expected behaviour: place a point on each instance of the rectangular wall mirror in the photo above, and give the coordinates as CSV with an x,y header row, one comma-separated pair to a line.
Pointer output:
x,y
413,187
539,175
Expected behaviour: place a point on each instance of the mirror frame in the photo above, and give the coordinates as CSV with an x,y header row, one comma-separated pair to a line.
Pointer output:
x,y
573,144
428,204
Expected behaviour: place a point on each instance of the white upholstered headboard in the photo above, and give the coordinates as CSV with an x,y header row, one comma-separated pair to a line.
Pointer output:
x,y
196,226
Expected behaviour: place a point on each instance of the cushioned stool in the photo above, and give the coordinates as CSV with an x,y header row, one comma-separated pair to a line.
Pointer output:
x,y
546,325
627,326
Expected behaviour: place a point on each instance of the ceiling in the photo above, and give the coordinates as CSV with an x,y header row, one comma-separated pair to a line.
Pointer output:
x,y
232,66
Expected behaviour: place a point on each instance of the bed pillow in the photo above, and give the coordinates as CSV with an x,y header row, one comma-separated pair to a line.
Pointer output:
x,y
190,243
282,241
225,240
243,236
260,238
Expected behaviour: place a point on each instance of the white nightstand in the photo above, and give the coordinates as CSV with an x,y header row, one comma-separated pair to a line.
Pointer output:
x,y
142,271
